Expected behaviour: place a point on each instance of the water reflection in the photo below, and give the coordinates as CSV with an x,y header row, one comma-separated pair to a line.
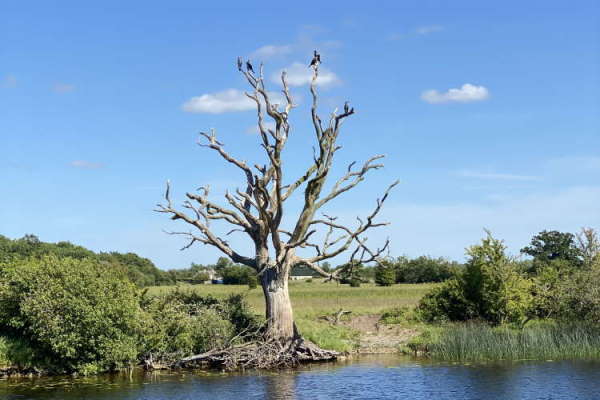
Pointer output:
x,y
367,378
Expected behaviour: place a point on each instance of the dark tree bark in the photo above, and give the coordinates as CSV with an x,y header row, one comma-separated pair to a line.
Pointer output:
x,y
258,210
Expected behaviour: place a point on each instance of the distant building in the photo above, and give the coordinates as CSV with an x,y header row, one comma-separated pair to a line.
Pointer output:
x,y
301,272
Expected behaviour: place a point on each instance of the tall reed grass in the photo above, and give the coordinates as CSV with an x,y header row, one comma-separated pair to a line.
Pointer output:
x,y
539,341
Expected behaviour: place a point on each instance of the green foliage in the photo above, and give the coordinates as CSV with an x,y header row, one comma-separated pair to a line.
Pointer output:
x,y
252,282
352,274
553,245
139,270
175,328
328,336
447,302
399,315
81,314
17,353
424,269
385,275
490,288
579,297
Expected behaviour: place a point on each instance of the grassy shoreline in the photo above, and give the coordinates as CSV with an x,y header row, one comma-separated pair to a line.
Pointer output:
x,y
457,342
539,340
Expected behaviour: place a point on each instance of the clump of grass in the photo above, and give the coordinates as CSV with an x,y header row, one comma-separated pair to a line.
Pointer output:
x,y
327,336
539,341
399,315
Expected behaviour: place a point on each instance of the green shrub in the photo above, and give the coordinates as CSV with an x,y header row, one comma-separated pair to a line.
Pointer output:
x,y
252,282
385,274
17,353
490,288
355,282
447,302
181,323
81,314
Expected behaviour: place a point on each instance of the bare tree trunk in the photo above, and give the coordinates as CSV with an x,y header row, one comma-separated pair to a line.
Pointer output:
x,y
280,317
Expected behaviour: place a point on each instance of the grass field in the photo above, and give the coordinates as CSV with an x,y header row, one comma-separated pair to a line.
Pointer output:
x,y
313,299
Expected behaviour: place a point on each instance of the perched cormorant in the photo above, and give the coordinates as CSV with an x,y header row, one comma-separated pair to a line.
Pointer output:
x,y
315,60
346,108
249,66
239,63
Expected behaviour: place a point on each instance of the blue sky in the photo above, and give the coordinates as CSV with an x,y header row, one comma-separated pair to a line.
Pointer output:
x,y
488,114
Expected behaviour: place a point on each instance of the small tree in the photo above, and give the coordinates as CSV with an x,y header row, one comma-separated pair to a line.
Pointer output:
x,y
259,209
385,274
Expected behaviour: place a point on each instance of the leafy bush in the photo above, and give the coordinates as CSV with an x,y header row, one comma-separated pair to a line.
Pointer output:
x,y
579,297
181,323
490,288
355,282
81,314
385,275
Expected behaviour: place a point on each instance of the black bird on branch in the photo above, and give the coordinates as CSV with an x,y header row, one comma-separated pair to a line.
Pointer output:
x,y
316,59
249,66
239,63
346,108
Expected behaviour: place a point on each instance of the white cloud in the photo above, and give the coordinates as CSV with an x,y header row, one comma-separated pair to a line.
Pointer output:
x,y
230,100
496,176
254,129
299,74
86,164
63,88
427,29
466,94
270,51
9,81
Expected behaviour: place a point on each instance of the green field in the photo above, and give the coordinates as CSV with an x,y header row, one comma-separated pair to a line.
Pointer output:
x,y
313,299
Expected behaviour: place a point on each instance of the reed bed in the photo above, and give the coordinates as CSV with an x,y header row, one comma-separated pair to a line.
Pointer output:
x,y
538,341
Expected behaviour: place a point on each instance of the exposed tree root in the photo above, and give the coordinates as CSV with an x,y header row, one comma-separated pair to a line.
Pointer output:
x,y
260,355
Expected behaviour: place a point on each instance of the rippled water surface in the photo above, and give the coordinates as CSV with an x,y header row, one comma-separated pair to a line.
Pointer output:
x,y
367,378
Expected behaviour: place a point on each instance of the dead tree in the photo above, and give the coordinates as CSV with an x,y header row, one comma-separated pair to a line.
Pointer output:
x,y
258,210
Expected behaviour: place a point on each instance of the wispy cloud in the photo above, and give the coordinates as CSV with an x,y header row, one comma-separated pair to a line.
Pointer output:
x,y
251,130
576,163
271,51
299,74
467,93
8,81
83,164
419,31
230,100
465,173
427,29
63,88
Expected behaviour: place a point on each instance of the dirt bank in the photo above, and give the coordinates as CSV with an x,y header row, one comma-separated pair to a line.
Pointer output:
x,y
377,338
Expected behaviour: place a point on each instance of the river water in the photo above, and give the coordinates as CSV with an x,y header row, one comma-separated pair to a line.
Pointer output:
x,y
381,377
